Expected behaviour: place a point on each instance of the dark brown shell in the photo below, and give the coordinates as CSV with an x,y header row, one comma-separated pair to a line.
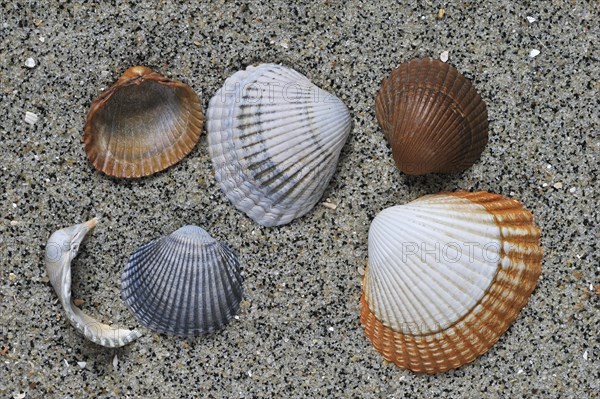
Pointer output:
x,y
433,118
141,125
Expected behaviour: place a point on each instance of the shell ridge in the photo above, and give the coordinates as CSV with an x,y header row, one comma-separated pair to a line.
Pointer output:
x,y
181,299
406,285
155,305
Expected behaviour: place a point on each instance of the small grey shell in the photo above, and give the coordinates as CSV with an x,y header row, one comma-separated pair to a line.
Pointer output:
x,y
186,283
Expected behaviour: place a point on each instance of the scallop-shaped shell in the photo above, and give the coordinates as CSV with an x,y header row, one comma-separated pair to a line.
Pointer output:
x,y
433,118
446,277
186,283
141,125
274,139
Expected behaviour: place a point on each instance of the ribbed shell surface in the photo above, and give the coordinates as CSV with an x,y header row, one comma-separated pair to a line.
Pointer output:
x,y
141,125
447,275
184,284
433,118
274,139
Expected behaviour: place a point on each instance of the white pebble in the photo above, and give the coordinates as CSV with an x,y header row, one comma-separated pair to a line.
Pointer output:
x,y
284,45
31,118
444,56
82,365
30,63
531,19
115,362
558,185
330,329
520,371
585,355
534,53
545,185
42,39
572,190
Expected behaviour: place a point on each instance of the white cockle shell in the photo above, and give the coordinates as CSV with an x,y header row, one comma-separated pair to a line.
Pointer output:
x,y
274,139
185,284
61,248
447,275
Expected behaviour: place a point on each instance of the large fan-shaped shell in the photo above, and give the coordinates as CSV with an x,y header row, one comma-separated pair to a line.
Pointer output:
x,y
433,118
141,125
184,284
447,275
274,139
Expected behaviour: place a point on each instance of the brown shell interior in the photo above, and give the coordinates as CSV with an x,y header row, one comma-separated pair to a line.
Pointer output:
x,y
433,118
476,332
141,125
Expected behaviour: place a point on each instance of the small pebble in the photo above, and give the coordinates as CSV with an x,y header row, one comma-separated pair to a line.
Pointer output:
x,y
82,365
42,39
329,205
12,276
585,355
440,15
572,190
444,56
558,185
31,118
531,19
30,63
534,53
115,362
284,45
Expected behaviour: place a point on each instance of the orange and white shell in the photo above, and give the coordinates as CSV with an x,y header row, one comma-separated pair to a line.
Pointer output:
x,y
447,275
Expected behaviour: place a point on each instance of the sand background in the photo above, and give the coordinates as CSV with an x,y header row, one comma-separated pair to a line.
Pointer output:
x,y
298,334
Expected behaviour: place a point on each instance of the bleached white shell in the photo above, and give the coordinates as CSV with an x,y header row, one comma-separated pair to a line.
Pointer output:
x,y
430,262
186,283
274,139
61,248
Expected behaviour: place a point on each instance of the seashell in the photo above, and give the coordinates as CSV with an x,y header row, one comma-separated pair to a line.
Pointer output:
x,y
446,277
61,248
433,118
186,283
274,139
141,125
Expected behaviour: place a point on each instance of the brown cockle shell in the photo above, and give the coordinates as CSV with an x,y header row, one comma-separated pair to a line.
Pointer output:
x,y
141,125
433,118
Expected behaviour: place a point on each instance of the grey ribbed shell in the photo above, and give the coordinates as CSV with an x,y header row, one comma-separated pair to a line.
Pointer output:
x,y
184,284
